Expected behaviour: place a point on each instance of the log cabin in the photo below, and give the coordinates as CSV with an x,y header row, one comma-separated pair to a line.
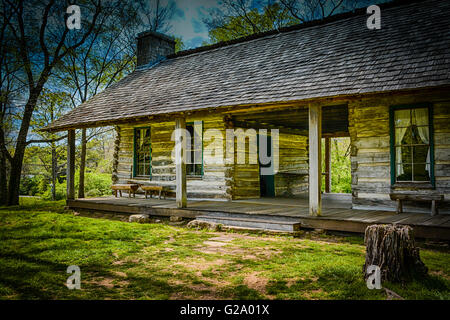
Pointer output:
x,y
386,90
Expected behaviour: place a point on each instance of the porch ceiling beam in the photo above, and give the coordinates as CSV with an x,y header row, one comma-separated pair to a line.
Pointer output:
x,y
315,161
180,164
264,125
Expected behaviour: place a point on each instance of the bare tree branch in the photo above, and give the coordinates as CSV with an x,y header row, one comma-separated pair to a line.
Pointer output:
x,y
46,140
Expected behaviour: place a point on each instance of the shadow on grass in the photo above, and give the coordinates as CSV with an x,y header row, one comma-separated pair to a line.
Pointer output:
x,y
29,277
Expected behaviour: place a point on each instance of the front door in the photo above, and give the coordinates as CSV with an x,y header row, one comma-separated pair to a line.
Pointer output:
x,y
266,179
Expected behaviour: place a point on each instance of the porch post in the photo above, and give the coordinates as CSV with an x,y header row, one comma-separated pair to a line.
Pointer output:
x,y
180,164
70,164
327,165
315,163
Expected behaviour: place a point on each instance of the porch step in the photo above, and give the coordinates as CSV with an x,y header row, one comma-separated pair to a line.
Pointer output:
x,y
256,222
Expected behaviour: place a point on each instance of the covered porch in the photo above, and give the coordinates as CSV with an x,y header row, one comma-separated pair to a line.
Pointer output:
x,y
337,214
298,160
301,128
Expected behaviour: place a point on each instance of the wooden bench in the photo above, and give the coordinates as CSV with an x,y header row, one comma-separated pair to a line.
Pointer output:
x,y
159,190
402,196
130,188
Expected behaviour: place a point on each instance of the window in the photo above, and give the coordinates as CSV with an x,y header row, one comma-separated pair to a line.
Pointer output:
x,y
411,144
194,163
142,153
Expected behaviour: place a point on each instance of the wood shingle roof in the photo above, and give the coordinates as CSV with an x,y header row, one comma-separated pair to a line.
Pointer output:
x,y
341,57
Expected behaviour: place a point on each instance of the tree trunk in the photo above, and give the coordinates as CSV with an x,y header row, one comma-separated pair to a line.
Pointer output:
x,y
17,160
393,250
14,181
3,180
21,144
82,164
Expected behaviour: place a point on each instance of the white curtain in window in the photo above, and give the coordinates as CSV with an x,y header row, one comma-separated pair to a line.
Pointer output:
x,y
403,120
420,117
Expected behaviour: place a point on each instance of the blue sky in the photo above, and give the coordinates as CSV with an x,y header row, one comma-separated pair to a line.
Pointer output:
x,y
187,21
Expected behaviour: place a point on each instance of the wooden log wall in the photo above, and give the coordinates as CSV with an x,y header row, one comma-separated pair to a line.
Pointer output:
x,y
370,149
292,177
368,121
216,181
246,175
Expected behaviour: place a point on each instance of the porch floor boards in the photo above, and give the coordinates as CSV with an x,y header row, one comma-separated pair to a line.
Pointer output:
x,y
336,215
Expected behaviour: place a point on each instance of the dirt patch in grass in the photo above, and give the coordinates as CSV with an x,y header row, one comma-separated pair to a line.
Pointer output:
x,y
201,291
222,244
201,264
207,272
122,262
120,274
110,282
103,282
170,240
290,282
256,282
315,294
440,273
203,296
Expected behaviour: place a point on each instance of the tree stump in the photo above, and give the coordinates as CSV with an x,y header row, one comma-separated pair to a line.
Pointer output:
x,y
393,250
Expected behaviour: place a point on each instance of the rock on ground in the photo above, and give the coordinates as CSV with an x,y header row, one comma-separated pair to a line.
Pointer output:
x,y
196,224
140,218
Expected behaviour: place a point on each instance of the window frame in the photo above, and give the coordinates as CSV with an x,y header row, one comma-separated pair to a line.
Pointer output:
x,y
135,154
195,176
392,110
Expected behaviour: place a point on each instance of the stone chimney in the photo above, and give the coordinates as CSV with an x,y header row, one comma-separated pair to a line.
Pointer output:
x,y
153,46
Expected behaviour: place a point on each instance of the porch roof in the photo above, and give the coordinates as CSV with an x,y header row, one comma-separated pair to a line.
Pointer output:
x,y
335,57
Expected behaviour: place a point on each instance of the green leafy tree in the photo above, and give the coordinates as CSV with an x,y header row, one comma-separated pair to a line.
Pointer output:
x,y
237,19
107,55
41,40
50,106
340,165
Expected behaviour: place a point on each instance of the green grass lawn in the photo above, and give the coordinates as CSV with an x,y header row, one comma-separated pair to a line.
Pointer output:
x,y
119,260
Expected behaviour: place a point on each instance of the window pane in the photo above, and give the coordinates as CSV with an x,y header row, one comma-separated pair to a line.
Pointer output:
x,y
142,152
421,135
403,154
404,172
198,169
194,159
412,145
420,154
420,117
138,137
146,142
421,172
405,136
402,118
